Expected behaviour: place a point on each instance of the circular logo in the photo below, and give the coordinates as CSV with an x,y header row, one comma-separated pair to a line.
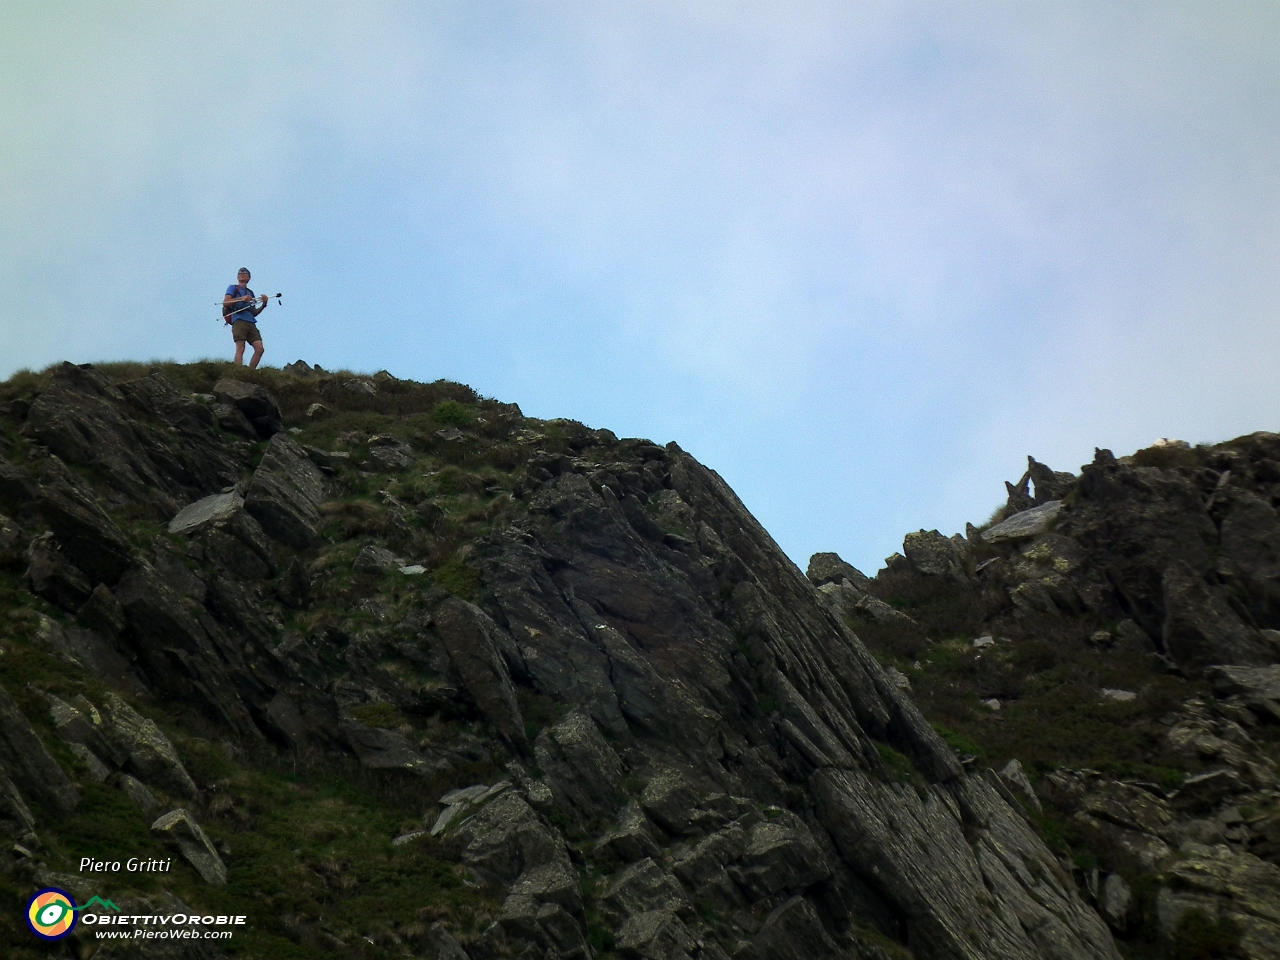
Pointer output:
x,y
51,913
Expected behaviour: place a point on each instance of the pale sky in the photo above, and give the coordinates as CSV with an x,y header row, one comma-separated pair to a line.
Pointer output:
x,y
859,258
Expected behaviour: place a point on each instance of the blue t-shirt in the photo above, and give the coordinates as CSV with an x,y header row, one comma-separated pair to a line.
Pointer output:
x,y
235,292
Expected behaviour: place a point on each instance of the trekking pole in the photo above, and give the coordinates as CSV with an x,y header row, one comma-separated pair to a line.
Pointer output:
x,y
243,300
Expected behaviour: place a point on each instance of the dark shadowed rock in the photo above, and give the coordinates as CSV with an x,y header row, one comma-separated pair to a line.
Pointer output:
x,y
794,932
286,493
469,637
180,829
151,755
179,653
88,537
87,422
380,749
252,400
582,770
25,761
51,576
16,819
1200,629
17,488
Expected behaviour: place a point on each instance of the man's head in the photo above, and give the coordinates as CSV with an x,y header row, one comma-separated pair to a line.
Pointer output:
x,y
243,276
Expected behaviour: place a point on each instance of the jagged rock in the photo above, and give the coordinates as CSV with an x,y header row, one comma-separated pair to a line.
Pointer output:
x,y
137,791
1024,524
1115,902
380,749
469,637
233,540
389,454
1204,791
180,829
779,856
794,932
1016,779
373,559
230,419
1257,687
17,489
88,537
81,725
151,755
506,838
85,421
916,856
255,402
1226,882
849,602
286,493
1131,638
1250,540
1200,629
52,577
360,386
330,461
642,887
98,771
300,368
220,507
582,770
829,568
933,555
632,838
102,612
669,798
178,651
459,804
25,761
655,935
15,816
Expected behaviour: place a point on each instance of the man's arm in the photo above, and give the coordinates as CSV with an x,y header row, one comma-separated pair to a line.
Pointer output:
x,y
257,310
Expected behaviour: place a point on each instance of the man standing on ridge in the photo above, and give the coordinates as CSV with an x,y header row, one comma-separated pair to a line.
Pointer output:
x,y
240,308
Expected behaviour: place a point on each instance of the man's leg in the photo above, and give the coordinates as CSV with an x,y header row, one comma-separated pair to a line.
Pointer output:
x,y
257,354
239,352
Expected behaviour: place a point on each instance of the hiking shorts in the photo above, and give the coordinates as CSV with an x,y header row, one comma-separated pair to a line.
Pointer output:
x,y
246,331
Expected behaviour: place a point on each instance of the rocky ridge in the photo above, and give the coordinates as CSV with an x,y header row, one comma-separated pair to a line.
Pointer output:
x,y
254,619
1126,616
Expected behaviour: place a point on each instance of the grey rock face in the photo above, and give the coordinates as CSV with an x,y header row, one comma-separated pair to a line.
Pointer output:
x,y
90,538
151,754
924,866
178,828
84,421
220,507
794,932
506,839
468,636
179,651
930,553
582,770
829,568
24,760
1026,524
286,493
